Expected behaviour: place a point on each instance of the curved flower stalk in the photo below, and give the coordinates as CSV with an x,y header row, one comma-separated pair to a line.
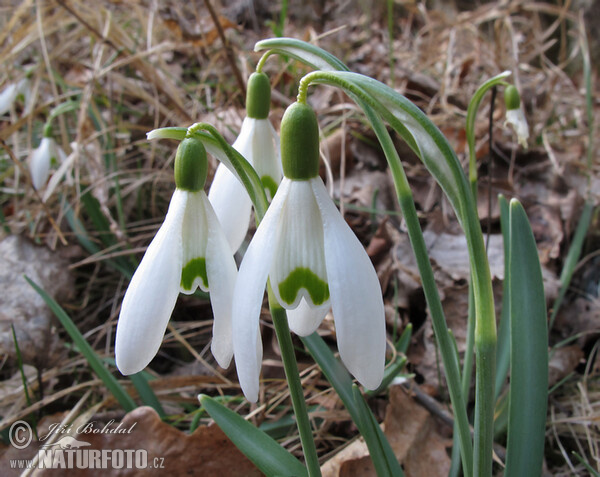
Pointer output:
x,y
313,261
47,154
515,115
12,91
190,250
259,144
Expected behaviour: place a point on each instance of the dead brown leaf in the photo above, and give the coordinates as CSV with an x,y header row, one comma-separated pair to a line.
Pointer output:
x,y
205,452
413,435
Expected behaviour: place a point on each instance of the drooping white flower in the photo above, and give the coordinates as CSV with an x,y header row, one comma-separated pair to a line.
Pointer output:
x,y
515,115
190,250
314,263
11,92
47,154
259,144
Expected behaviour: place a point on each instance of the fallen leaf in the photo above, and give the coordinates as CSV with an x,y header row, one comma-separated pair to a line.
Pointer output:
x,y
207,451
413,434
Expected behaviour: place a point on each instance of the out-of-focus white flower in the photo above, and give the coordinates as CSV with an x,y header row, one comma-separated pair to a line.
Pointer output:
x,y
190,250
11,92
515,115
314,262
259,144
47,154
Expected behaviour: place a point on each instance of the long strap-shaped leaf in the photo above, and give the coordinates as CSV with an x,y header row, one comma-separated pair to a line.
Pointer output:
x,y
528,353
261,449
109,380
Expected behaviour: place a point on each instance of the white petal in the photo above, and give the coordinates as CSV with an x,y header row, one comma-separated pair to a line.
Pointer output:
x,y
152,293
194,238
356,296
516,118
300,234
222,273
7,98
305,319
232,205
248,297
265,152
39,162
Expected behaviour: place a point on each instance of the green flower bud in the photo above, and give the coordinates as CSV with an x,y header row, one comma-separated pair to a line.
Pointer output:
x,y
191,165
512,98
300,142
258,96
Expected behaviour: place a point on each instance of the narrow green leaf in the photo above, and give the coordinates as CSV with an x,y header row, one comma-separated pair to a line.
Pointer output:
x,y
262,450
108,379
572,257
311,55
404,340
528,394
140,382
146,393
382,455
361,415
503,355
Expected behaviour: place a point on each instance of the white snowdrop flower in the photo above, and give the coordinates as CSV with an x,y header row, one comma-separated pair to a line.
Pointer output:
x,y
314,263
259,144
515,116
12,91
190,250
46,155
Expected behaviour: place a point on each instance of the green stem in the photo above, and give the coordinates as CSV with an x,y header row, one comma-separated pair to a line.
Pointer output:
x,y
438,319
457,188
263,60
292,375
470,123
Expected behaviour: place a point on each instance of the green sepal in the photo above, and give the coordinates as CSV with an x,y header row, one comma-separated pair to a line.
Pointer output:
x,y
258,96
512,98
300,142
304,278
191,165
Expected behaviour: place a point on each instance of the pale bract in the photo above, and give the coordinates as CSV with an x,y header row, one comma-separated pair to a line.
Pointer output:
x,y
314,263
259,144
190,250
516,118
42,158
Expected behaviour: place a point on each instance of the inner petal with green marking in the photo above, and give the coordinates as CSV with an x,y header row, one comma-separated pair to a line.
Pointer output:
x,y
195,268
270,186
304,278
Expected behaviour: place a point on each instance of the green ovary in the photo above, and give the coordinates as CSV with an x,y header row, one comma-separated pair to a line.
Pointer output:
x,y
194,268
304,278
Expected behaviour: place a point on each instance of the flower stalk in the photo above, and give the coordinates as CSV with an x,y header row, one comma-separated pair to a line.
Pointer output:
x,y
292,375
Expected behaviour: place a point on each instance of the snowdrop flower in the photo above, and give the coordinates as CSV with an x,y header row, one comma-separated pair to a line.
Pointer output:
x,y
189,250
47,154
259,144
12,92
314,262
515,116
